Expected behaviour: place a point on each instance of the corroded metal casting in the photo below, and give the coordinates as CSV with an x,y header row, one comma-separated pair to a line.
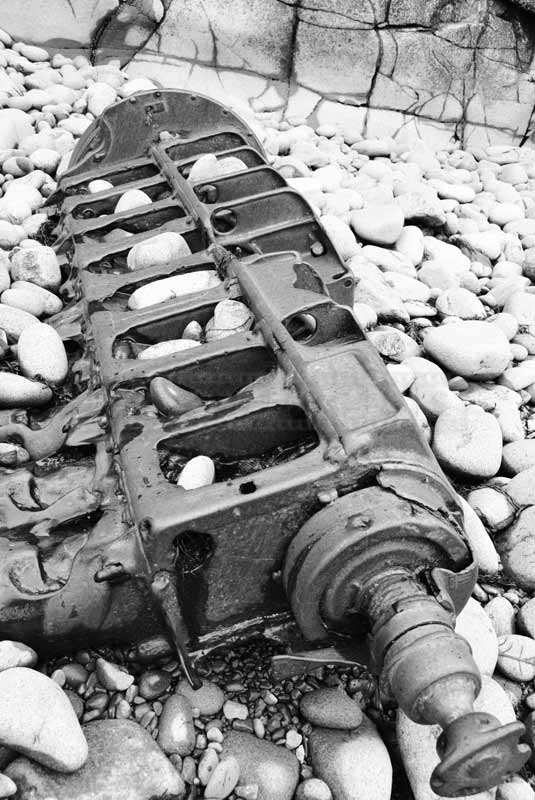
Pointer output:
x,y
328,509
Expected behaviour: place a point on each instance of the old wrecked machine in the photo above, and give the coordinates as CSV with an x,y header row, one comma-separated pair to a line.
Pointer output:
x,y
329,519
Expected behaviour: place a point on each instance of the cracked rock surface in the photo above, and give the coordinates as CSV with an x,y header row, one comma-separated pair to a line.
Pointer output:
x,y
437,69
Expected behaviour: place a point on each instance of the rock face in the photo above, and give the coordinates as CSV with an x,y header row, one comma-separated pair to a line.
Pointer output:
x,y
37,719
326,64
274,769
124,763
354,764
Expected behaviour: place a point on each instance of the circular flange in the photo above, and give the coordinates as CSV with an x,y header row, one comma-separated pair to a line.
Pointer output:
x,y
477,753
345,545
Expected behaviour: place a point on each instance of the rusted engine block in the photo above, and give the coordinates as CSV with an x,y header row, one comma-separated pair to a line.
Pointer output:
x,y
329,516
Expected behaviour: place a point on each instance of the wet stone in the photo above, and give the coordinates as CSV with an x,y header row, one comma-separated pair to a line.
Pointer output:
x,y
223,779
353,763
48,731
208,699
16,654
207,763
112,677
313,789
176,733
154,683
274,769
124,762
75,674
331,708
233,710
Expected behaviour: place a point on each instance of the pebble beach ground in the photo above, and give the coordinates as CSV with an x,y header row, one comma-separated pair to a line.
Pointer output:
x,y
442,247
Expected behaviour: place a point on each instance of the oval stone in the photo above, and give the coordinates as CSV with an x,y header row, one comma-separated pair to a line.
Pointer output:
x,y
47,731
331,708
457,442
472,349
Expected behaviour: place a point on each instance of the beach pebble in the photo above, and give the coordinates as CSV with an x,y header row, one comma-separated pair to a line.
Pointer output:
x,y
492,506
433,399
479,540
158,250
516,546
171,399
16,391
7,786
24,299
526,619
521,488
472,349
516,659
199,471
341,235
223,779
230,316
275,770
41,354
112,677
133,198
386,302
208,699
353,763
458,302
15,125
48,731
207,763
99,185
50,302
16,654
100,95
394,344
124,762
410,244
522,307
516,788
457,442
381,224
153,683
37,265
501,614
475,626
313,789
402,376
170,288
176,733
163,349
331,708
517,456
233,710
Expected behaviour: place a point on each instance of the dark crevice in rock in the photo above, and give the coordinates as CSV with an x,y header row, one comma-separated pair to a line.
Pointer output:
x,y
292,50
330,11
376,72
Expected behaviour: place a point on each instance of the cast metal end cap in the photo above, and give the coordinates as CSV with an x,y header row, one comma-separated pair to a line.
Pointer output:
x,y
477,753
